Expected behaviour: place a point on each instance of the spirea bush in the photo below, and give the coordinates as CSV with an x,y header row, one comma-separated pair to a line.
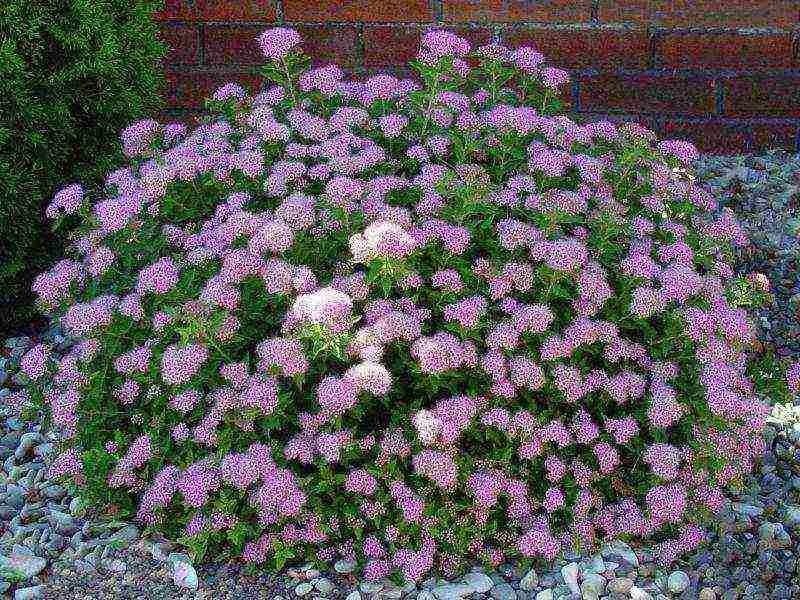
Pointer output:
x,y
402,323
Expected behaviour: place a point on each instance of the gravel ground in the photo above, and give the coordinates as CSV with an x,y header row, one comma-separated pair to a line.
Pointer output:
x,y
51,549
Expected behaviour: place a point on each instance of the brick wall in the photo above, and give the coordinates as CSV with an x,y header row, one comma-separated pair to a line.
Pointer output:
x,y
723,73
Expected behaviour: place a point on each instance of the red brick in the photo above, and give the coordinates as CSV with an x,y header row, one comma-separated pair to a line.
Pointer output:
x,y
762,96
702,13
182,41
328,44
358,10
724,51
582,48
647,93
226,44
713,136
724,13
388,45
616,11
217,10
547,11
187,89
767,136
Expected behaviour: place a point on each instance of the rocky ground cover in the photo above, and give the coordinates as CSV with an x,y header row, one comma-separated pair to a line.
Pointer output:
x,y
52,547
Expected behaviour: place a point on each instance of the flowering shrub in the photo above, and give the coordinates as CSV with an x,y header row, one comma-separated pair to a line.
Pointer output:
x,y
402,323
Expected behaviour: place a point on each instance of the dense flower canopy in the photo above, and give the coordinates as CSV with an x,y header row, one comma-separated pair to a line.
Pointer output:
x,y
401,322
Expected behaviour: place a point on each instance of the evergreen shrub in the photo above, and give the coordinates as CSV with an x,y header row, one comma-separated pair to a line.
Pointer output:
x,y
73,73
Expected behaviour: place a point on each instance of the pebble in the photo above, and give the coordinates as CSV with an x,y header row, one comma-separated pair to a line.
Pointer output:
x,y
678,582
570,574
303,588
503,591
479,582
344,566
620,585
29,593
530,582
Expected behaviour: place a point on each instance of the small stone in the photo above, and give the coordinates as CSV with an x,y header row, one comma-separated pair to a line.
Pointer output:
x,y
530,582
371,587
707,594
570,574
545,595
115,566
303,588
344,566
638,593
678,582
323,585
620,585
592,586
503,591
479,582
747,509
75,507
126,534
29,593
452,591
792,517
26,442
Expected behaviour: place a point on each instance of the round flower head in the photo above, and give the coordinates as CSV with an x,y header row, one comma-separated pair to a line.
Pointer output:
x,y
277,42
326,307
382,238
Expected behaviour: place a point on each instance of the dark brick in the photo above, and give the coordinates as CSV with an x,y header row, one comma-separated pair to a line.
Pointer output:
x,y
767,136
647,94
189,89
546,11
581,48
328,44
713,136
724,13
233,44
724,51
217,10
358,10
762,96
182,41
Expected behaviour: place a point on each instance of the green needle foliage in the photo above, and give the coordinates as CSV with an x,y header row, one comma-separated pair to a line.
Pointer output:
x,y
73,73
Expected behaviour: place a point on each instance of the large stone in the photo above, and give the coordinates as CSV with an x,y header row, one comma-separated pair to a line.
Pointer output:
x,y
545,595
29,593
354,595
303,588
184,575
323,585
344,566
638,593
24,562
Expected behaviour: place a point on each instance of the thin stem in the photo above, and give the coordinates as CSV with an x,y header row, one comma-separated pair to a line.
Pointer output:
x,y
289,81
